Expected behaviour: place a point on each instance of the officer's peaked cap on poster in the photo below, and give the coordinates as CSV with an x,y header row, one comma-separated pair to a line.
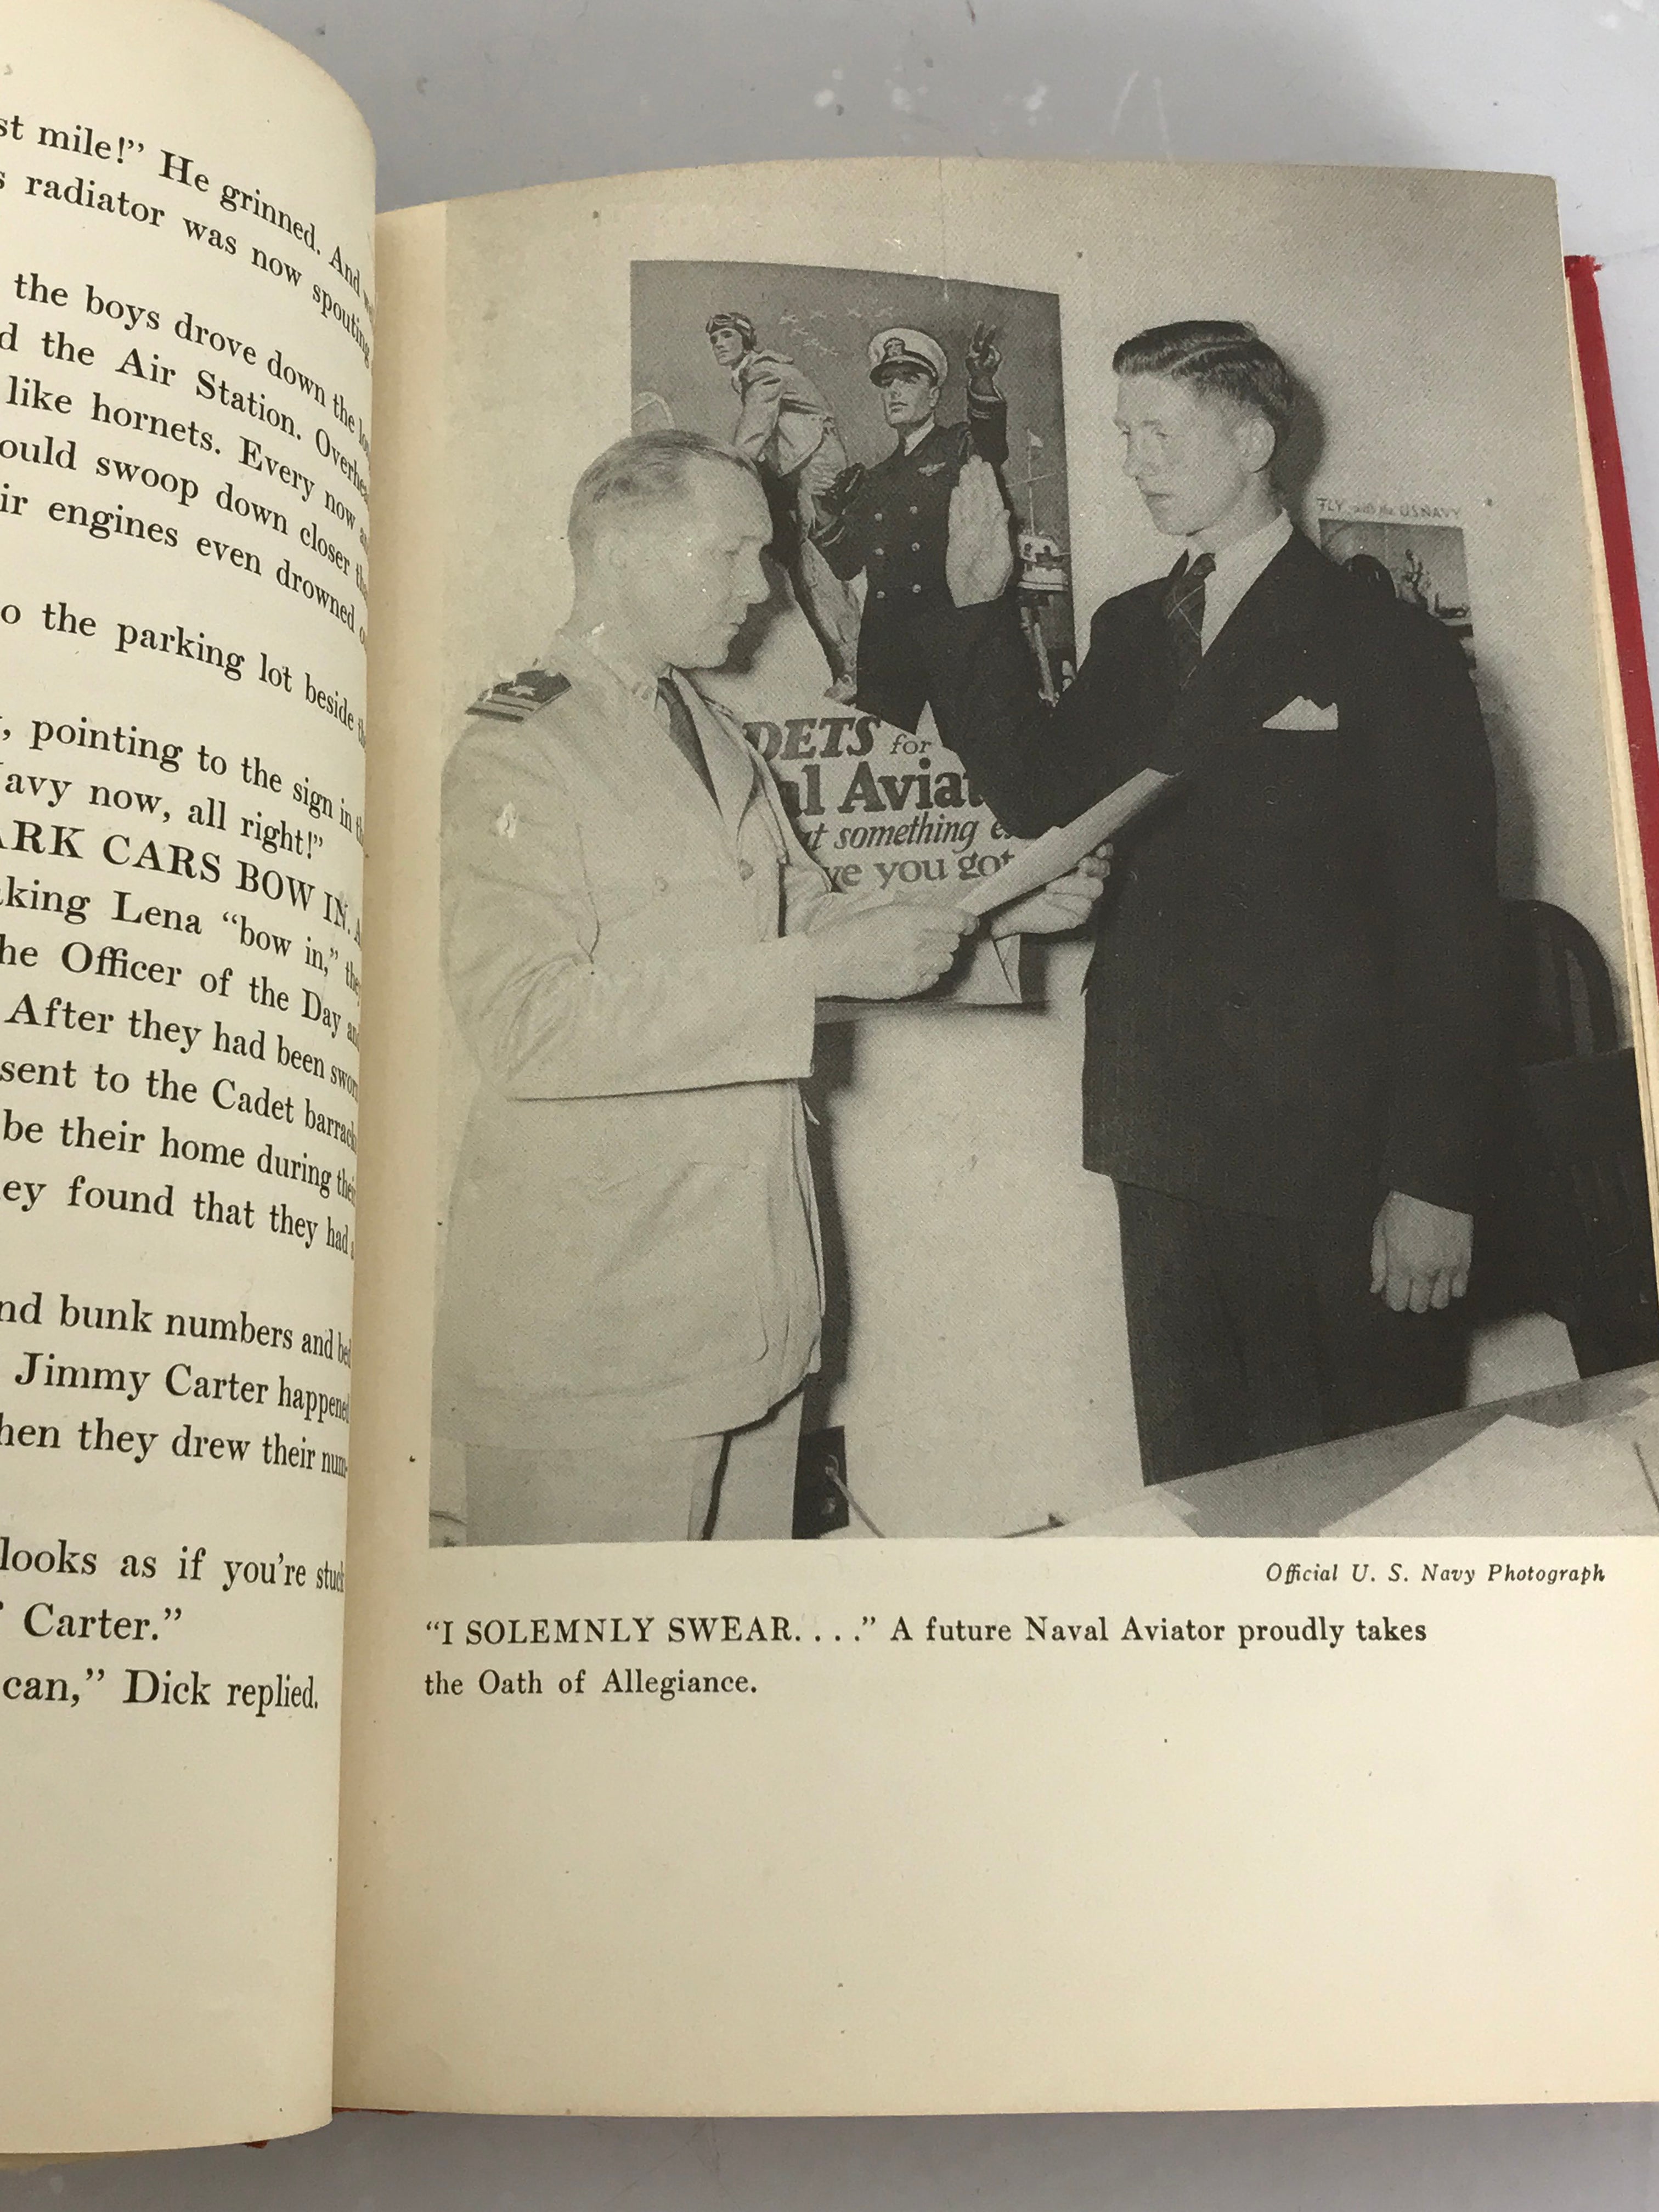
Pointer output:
x,y
894,351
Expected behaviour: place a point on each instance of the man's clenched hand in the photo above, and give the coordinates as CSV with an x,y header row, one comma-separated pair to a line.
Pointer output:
x,y
1420,1253
889,952
1066,903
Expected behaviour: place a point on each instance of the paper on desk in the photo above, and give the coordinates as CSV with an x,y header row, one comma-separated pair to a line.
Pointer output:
x,y
1057,852
1519,1478
1154,1514
1637,1425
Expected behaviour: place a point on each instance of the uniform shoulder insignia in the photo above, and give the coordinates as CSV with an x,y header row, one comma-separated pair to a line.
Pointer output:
x,y
522,696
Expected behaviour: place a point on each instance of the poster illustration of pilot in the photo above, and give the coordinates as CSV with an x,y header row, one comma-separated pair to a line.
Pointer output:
x,y
859,396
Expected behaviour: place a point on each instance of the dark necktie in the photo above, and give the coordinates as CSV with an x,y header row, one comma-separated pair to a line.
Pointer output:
x,y
683,728
1183,609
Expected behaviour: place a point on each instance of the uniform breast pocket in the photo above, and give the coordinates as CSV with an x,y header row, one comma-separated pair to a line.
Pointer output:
x,y
650,890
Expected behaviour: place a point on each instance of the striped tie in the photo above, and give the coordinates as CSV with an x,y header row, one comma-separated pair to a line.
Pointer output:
x,y
1183,609
683,728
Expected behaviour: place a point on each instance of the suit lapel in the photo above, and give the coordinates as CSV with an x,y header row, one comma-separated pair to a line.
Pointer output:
x,y
1235,685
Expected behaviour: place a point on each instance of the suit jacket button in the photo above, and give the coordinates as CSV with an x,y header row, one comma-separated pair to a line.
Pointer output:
x,y
881,595
878,515
746,869
659,883
915,587
1237,1000
877,550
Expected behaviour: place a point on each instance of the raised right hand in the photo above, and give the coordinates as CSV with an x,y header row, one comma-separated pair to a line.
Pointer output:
x,y
979,555
888,951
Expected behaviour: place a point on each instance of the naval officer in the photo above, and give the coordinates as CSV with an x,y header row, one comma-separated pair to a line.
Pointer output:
x,y
634,943
889,522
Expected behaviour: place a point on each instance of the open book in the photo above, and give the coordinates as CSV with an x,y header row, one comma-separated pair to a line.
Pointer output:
x,y
411,965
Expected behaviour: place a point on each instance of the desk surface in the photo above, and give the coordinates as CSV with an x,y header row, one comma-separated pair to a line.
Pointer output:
x,y
1299,1493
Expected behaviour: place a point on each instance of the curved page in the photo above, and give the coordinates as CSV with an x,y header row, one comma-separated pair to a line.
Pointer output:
x,y
877,1800
184,289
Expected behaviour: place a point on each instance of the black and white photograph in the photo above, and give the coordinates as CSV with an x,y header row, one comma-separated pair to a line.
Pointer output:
x,y
1262,1155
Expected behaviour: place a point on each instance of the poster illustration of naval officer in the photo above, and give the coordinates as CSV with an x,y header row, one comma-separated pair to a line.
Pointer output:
x,y
859,395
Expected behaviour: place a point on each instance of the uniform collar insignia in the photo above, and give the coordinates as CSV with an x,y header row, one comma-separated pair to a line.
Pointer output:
x,y
517,700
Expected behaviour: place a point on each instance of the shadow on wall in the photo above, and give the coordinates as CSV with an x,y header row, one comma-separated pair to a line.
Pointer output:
x,y
1299,453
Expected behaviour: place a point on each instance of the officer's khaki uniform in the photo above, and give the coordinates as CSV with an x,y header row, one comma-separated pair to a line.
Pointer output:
x,y
632,1265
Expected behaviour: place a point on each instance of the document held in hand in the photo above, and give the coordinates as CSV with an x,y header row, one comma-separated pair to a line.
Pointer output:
x,y
1057,852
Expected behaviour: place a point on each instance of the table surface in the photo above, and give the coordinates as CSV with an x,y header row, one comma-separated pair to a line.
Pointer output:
x,y
1299,1493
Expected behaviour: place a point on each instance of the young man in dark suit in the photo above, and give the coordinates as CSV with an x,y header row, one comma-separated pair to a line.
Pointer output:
x,y
1290,1011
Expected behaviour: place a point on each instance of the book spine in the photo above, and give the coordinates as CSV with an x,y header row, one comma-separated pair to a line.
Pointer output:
x,y
1619,551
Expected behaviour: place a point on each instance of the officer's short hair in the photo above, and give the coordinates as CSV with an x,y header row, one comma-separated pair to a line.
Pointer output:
x,y
1220,360
652,469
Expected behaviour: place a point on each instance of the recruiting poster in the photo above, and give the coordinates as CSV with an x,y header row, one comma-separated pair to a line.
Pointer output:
x,y
859,395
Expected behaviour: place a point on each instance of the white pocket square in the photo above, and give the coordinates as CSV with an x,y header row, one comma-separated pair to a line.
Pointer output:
x,y
1302,714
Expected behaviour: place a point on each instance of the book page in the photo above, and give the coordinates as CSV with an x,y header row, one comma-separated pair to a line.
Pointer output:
x,y
186,291
887,1807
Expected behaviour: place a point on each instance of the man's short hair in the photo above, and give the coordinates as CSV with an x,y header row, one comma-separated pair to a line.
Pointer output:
x,y
727,318
1220,360
649,471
